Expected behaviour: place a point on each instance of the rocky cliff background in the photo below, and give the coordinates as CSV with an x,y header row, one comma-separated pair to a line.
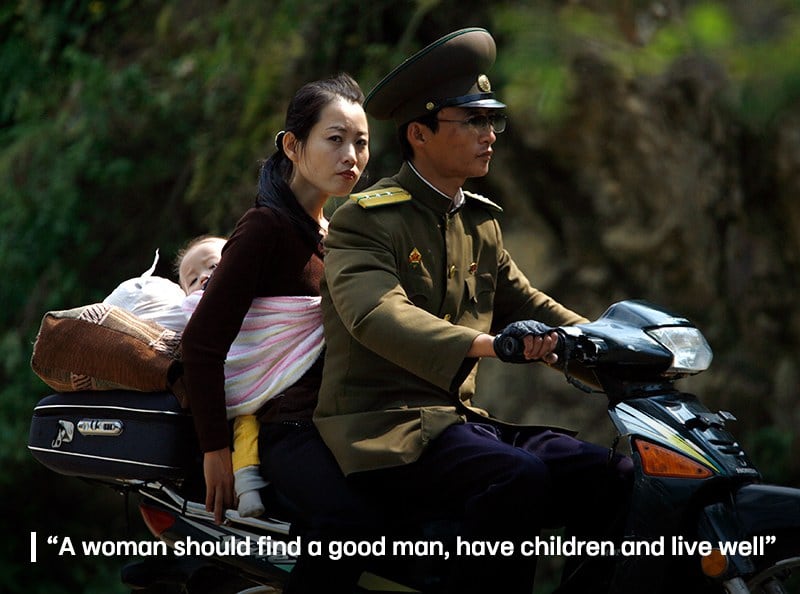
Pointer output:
x,y
652,189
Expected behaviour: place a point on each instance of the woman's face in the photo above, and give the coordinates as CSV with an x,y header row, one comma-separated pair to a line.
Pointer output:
x,y
334,155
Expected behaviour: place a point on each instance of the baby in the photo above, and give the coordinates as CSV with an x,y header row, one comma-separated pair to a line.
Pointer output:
x,y
195,264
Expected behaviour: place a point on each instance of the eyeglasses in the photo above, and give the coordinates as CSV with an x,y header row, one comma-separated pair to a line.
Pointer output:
x,y
481,123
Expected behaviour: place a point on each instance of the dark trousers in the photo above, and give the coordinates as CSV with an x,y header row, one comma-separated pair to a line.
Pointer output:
x,y
324,505
507,485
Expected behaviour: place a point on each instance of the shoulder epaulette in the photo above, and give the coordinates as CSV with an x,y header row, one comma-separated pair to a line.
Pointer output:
x,y
483,199
380,197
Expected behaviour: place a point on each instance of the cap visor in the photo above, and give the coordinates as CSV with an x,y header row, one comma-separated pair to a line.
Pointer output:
x,y
487,103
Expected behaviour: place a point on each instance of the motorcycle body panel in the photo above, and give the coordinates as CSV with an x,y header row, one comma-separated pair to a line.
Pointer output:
x,y
679,421
765,509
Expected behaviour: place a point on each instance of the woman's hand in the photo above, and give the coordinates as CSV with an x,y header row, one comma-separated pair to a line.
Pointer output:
x,y
218,472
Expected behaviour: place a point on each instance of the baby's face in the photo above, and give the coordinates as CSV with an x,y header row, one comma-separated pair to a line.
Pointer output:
x,y
198,263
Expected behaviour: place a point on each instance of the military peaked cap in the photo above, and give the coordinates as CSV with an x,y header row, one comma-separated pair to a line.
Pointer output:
x,y
449,72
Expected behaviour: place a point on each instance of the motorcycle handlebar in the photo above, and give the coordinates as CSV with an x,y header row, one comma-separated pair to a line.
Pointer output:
x,y
573,344
509,346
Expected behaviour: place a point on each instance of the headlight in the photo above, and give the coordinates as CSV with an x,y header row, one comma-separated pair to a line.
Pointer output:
x,y
690,351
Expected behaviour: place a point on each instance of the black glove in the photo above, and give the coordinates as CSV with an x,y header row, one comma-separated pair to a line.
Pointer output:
x,y
509,345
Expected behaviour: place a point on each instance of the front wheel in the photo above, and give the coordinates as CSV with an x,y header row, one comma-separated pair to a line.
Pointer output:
x,y
782,577
779,573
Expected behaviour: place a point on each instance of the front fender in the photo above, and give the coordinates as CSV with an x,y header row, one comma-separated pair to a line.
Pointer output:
x,y
752,510
762,509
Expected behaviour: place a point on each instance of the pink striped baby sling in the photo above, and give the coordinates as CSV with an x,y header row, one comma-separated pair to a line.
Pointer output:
x,y
280,339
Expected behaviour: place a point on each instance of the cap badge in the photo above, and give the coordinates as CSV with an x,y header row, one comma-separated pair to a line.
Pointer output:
x,y
414,258
484,84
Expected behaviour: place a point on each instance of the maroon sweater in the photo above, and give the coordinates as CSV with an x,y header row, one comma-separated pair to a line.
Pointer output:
x,y
266,256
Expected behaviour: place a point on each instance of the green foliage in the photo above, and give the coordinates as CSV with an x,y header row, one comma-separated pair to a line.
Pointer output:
x,y
534,63
757,48
770,448
711,25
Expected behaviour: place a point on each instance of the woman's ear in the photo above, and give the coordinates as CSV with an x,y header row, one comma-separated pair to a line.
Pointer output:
x,y
291,146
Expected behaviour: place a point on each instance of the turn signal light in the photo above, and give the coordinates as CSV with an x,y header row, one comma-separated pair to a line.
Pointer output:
x,y
714,564
157,520
660,461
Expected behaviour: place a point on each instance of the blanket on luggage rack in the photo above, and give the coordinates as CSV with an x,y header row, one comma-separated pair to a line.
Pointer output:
x,y
104,347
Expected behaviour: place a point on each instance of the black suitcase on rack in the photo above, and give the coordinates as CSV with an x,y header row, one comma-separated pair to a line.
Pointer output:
x,y
115,436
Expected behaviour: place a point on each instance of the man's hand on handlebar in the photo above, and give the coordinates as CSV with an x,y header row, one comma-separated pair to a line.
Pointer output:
x,y
527,341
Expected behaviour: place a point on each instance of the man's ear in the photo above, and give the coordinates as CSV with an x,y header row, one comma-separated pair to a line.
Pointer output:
x,y
416,133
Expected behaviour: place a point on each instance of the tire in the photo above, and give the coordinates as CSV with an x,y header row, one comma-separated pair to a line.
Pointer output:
x,y
782,577
779,573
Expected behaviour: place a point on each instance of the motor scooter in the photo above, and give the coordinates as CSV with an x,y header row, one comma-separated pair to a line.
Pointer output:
x,y
699,519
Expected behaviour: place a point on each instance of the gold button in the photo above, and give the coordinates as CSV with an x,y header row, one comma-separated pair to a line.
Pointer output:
x,y
452,271
446,317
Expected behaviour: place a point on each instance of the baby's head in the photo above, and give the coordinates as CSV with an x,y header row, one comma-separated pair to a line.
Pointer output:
x,y
197,261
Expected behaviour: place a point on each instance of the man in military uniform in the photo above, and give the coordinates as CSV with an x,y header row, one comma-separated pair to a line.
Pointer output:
x,y
416,282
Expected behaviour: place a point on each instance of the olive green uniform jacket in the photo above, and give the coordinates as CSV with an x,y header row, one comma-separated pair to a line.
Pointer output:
x,y
408,286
